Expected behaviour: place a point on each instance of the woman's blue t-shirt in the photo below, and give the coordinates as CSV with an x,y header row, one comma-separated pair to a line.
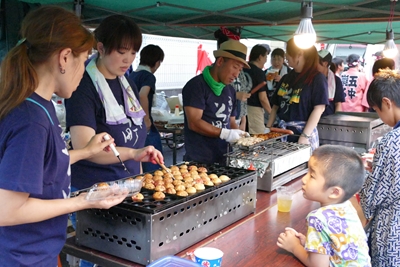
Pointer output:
x,y
34,160
86,108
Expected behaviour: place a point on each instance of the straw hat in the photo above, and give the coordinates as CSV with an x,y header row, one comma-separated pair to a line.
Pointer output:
x,y
233,49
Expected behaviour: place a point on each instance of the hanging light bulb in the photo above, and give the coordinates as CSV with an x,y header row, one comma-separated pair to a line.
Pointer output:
x,y
305,35
390,49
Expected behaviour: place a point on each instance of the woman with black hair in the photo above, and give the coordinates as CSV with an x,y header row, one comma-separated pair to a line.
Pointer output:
x,y
301,96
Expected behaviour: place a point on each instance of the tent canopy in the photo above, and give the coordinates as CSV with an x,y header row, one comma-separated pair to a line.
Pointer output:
x,y
339,21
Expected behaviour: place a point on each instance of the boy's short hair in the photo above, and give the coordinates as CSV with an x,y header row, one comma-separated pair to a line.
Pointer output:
x,y
150,55
386,84
341,166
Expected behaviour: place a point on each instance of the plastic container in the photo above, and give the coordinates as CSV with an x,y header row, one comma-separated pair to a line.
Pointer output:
x,y
173,261
106,189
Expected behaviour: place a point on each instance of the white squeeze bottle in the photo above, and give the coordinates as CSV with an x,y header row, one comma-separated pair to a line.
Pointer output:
x,y
177,110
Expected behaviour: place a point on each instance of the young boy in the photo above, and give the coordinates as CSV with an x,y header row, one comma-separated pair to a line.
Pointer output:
x,y
335,236
381,191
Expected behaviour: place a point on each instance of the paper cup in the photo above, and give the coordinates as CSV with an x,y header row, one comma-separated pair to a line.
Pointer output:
x,y
209,257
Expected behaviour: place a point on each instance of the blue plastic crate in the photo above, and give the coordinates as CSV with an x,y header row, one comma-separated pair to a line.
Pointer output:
x,y
173,261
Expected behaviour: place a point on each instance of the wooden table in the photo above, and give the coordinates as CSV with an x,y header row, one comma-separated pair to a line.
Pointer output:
x,y
250,241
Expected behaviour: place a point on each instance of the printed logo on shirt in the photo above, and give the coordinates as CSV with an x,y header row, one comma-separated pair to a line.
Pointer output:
x,y
222,114
351,82
289,96
130,135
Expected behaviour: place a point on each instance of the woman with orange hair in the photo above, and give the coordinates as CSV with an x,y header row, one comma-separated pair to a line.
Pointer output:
x,y
34,160
301,96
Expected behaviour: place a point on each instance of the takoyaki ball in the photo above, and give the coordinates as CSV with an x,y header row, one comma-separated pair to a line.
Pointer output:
x,y
137,197
180,187
199,187
182,193
160,188
140,177
102,186
216,181
148,175
198,181
191,190
168,175
176,173
186,175
183,166
177,182
188,184
148,181
169,185
174,168
203,174
209,183
192,168
159,182
157,178
158,172
183,171
224,178
158,195
188,180
149,186
171,191
193,173
196,177
205,179
212,176
178,177
201,169
168,180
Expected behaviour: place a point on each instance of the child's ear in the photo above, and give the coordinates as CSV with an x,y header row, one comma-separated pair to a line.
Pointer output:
x,y
386,101
336,192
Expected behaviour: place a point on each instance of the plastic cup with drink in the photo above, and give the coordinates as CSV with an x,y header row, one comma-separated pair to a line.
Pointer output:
x,y
285,198
271,73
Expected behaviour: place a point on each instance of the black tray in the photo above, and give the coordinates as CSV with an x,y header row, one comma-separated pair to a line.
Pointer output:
x,y
150,205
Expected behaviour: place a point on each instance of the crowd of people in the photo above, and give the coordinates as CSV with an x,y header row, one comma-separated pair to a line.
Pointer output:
x,y
227,100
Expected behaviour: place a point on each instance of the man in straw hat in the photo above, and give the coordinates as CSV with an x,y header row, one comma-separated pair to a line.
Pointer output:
x,y
209,103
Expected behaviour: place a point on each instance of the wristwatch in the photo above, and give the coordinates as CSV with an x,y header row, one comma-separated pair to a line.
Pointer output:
x,y
305,135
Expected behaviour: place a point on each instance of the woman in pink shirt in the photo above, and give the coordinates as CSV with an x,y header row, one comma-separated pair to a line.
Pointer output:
x,y
354,85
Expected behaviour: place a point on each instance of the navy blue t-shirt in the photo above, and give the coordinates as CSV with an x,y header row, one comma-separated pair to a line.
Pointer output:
x,y
217,111
255,76
33,159
310,95
86,108
339,97
144,78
